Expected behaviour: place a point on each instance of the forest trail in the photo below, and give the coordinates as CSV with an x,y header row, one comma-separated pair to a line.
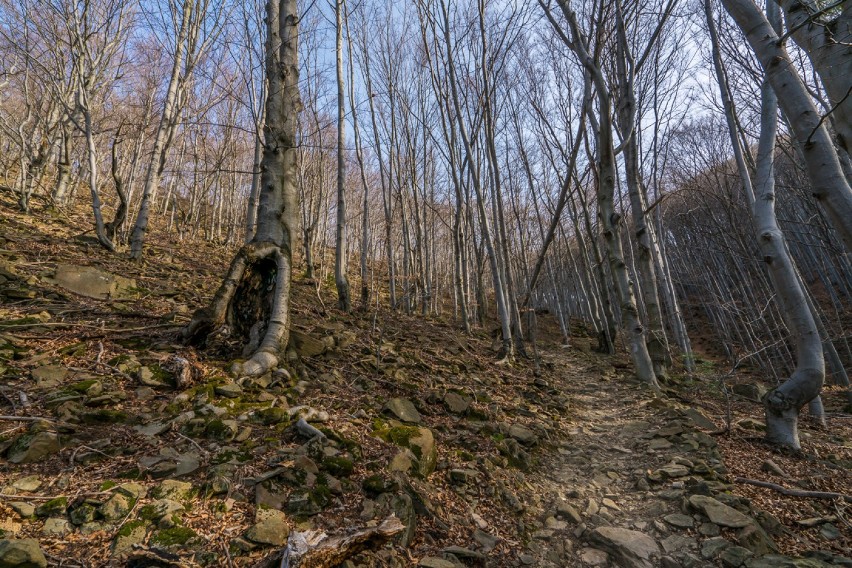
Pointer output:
x,y
147,446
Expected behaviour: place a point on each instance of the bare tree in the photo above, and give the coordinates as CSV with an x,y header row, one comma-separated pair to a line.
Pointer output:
x,y
254,298
829,184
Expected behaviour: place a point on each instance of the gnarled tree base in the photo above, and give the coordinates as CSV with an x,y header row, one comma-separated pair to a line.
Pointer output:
x,y
252,303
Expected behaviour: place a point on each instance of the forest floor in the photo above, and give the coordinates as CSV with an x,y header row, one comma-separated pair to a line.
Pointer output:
x,y
118,441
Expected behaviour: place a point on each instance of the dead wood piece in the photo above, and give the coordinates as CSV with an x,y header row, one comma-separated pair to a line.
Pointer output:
x,y
794,492
318,550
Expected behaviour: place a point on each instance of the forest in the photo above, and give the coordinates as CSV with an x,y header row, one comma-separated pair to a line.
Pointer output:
x,y
430,283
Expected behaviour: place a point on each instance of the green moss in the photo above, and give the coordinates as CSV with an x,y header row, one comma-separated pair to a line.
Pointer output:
x,y
399,435
53,508
338,466
269,416
175,536
148,513
83,386
107,485
128,528
105,416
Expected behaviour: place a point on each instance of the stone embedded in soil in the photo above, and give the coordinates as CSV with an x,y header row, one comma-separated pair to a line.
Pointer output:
x,y
230,390
633,549
456,403
56,527
172,489
719,513
30,483
24,510
403,409
270,527
680,520
435,562
735,556
522,434
593,557
31,448
93,283
49,376
21,553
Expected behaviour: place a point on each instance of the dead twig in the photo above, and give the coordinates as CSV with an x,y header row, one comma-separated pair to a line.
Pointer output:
x,y
794,492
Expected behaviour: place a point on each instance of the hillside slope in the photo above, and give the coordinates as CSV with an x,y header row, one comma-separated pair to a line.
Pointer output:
x,y
117,441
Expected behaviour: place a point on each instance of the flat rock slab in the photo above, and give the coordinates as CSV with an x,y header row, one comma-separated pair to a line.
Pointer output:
x,y
93,283
633,549
719,513
403,409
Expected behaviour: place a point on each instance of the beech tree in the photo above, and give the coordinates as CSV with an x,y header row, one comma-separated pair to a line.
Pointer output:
x,y
254,298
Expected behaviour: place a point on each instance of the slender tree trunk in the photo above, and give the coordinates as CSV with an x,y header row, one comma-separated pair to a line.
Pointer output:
x,y
162,138
63,168
828,182
340,280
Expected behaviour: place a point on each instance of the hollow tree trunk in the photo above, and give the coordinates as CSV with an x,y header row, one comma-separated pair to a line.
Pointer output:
x,y
254,296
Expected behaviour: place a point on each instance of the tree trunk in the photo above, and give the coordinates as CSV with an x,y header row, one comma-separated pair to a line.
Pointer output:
x,y
254,296
828,43
828,182
340,279
162,138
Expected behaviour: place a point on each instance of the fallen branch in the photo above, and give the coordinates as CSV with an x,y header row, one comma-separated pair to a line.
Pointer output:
x,y
795,492
315,549
37,419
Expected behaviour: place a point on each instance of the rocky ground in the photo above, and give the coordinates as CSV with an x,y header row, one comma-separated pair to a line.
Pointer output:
x,y
118,443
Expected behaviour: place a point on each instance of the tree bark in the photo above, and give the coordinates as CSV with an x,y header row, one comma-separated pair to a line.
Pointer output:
x,y
828,182
254,296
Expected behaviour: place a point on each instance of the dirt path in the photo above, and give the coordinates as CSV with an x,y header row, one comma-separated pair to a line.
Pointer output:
x,y
621,491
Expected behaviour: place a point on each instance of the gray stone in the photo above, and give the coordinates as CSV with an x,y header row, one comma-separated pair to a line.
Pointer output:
x,y
422,454
522,434
593,557
676,543
712,547
132,533
230,390
633,549
720,513
187,464
56,527
270,527
680,520
117,506
21,553
49,376
403,409
699,419
147,377
93,283
735,556
829,531
456,403
751,391
30,483
709,529
754,538
31,448
435,562
153,429
486,541
25,510
464,553
567,511
172,489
